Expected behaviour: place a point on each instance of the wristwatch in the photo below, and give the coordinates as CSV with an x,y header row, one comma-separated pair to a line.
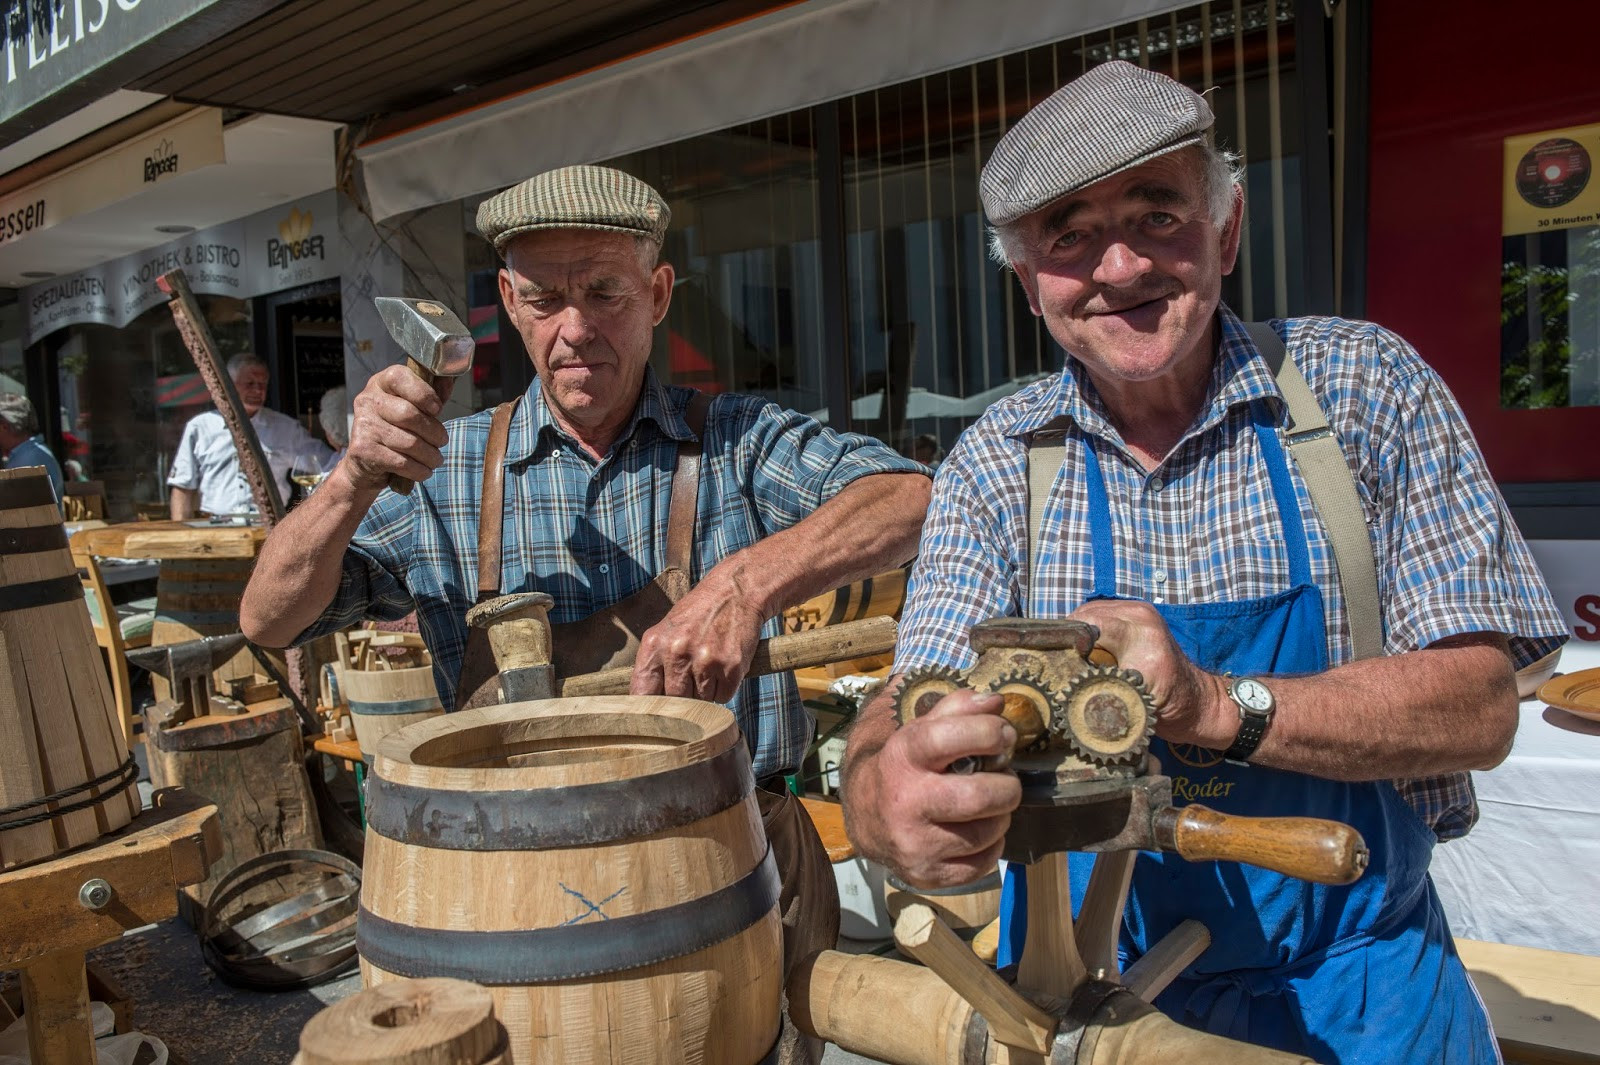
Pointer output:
x,y
1256,707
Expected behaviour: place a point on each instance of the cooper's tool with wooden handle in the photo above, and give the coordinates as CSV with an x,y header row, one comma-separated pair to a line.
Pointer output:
x,y
795,650
1309,848
435,341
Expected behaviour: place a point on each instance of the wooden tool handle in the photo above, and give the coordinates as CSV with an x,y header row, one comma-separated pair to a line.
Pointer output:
x,y
1309,848
795,650
879,1008
403,485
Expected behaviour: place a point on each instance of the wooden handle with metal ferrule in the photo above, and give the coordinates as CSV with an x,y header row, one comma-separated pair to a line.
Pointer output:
x,y
397,483
795,650
1308,848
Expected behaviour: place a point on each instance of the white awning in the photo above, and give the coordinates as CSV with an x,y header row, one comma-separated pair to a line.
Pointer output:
x,y
802,55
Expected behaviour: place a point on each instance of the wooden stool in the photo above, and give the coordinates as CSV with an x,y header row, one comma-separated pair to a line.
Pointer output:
x,y
59,909
1545,1005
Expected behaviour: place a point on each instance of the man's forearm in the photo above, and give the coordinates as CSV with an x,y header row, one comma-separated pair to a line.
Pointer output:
x,y
183,504
298,571
870,526
1449,707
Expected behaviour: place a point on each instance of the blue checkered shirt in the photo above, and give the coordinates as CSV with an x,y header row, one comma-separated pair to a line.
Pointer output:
x,y
1203,527
590,533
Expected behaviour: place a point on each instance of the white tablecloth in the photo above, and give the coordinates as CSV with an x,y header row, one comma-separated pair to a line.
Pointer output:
x,y
1529,873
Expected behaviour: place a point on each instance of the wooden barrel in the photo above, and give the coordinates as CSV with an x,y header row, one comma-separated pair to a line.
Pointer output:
x,y
966,908
880,596
407,1022
386,700
598,863
200,597
59,725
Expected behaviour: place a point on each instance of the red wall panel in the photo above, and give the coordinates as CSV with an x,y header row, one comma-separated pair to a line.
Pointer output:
x,y
1448,83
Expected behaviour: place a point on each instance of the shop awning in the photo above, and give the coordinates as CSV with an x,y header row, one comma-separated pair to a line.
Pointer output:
x,y
801,55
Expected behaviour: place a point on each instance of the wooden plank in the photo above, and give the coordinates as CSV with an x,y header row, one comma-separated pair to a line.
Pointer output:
x,y
55,997
1545,1004
1050,960
165,848
828,817
152,536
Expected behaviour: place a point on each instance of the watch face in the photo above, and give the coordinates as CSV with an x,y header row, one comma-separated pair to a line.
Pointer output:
x,y
1253,694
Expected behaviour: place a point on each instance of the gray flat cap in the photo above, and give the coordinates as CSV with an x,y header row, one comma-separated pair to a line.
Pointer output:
x,y
574,197
1111,118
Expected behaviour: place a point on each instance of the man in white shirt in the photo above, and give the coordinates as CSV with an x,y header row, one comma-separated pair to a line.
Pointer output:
x,y
206,475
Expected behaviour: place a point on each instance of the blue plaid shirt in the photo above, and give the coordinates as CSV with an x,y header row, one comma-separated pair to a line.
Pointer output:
x,y
1203,526
591,533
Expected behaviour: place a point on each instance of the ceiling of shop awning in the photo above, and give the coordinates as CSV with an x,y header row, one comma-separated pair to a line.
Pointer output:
x,y
346,60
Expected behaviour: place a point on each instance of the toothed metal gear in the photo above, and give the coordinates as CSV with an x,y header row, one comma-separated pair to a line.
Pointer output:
x,y
923,687
1026,694
1107,716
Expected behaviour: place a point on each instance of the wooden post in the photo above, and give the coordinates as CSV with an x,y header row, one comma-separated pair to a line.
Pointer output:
x,y
55,999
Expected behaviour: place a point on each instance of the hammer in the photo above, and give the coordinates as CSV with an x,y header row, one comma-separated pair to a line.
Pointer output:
x,y
434,340
519,635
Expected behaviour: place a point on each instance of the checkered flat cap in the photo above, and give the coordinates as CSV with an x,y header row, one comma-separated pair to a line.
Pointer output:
x,y
1111,118
574,197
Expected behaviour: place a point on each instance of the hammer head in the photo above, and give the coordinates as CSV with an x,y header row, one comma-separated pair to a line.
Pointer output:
x,y
428,332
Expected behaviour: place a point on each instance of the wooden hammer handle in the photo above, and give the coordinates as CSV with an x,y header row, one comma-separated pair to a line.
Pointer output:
x,y
1309,848
795,650
397,483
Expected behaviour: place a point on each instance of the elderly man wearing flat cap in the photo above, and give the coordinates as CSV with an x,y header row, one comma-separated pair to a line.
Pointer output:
x,y
1170,474
671,528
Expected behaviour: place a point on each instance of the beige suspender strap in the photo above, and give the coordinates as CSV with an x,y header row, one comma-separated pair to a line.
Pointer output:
x,y
1047,453
1315,449
685,493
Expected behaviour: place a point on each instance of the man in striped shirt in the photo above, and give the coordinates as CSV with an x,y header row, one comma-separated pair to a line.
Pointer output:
x,y
1176,525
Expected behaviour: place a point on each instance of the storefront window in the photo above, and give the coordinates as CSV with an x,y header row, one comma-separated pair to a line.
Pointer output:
x,y
126,395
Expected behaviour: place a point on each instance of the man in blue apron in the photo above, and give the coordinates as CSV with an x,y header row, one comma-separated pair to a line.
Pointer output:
x,y
1177,523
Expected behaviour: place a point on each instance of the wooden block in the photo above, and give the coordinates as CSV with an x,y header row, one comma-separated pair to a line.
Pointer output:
x,y
1545,1004
255,688
828,817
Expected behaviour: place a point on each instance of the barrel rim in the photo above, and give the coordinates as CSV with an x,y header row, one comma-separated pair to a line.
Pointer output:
x,y
395,758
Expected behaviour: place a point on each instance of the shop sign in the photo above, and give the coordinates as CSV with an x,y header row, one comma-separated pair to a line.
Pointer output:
x,y
266,252
1550,180
61,53
182,146
1568,568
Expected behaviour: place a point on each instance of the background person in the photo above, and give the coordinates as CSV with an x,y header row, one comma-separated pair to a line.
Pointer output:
x,y
20,439
206,476
1177,526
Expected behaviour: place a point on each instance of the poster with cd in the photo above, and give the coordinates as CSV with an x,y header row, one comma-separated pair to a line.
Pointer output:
x,y
1549,180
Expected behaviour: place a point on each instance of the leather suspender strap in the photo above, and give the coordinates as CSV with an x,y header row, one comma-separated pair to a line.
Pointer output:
x,y
491,504
685,498
1315,449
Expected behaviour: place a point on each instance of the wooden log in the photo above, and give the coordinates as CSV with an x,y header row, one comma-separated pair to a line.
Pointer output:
x,y
1127,1031
643,925
387,700
407,1022
252,766
59,724
880,1008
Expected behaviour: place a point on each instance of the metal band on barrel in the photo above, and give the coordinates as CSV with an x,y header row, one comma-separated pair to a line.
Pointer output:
x,y
404,706
42,593
29,541
987,883
19,492
559,817
571,951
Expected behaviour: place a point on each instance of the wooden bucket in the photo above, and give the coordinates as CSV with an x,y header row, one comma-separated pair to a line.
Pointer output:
x,y
880,596
966,908
59,725
598,863
387,700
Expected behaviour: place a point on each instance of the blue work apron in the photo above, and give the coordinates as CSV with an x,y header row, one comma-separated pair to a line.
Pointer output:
x,y
1361,974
